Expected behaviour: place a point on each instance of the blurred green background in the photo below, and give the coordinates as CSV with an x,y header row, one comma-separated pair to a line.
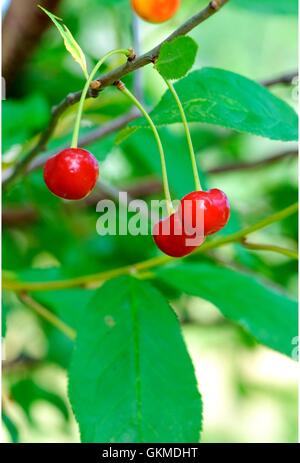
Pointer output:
x,y
249,392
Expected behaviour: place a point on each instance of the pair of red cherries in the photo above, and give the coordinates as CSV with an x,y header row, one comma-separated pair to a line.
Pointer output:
x,y
72,174
200,213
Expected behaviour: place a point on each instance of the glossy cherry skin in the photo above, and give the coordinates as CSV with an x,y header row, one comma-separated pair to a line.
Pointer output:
x,y
216,209
174,244
71,174
155,11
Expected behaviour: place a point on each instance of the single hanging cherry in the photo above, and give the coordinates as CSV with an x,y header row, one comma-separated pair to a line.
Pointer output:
x,y
71,174
155,11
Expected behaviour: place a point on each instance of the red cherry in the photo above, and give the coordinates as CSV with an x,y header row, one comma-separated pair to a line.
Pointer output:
x,y
171,237
71,174
215,205
156,11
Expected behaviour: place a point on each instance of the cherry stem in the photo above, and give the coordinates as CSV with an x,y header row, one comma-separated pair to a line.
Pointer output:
x,y
188,135
125,52
47,315
270,247
126,92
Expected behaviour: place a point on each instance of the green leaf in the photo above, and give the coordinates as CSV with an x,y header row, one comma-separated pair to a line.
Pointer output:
x,y
219,97
284,7
131,378
70,43
270,316
176,58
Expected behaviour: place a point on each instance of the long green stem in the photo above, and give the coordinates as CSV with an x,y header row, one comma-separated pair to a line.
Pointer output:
x,y
126,92
237,237
188,135
47,315
270,247
127,53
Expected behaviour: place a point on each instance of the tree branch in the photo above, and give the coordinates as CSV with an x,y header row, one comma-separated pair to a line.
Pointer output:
x,y
109,79
12,217
93,136
20,216
20,363
27,166
41,145
238,166
120,123
151,56
285,79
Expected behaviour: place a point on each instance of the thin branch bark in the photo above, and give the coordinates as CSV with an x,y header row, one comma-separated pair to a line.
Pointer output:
x,y
151,56
109,79
120,123
41,145
239,166
95,135
20,363
20,216
285,79
27,166
86,140
15,217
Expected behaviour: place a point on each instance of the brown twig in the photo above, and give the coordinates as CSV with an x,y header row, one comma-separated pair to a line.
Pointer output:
x,y
16,217
285,79
12,217
150,57
28,166
93,136
22,362
238,166
40,146
109,79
